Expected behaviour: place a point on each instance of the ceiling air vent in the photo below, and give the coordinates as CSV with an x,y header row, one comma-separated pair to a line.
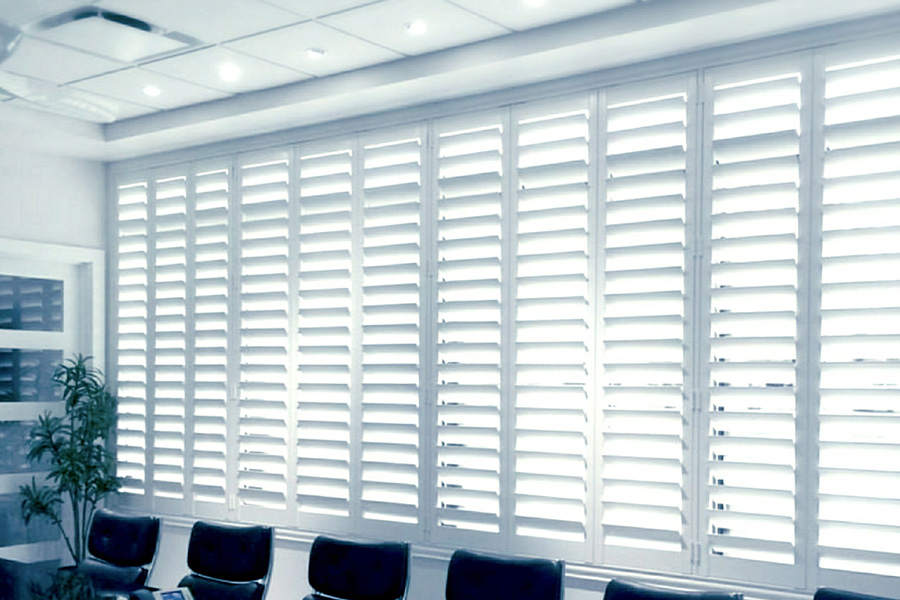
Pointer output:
x,y
111,35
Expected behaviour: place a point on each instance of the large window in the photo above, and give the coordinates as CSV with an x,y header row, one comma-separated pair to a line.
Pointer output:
x,y
653,326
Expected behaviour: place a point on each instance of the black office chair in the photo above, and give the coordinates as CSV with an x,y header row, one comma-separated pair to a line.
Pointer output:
x,y
472,576
837,594
346,570
228,562
620,590
122,549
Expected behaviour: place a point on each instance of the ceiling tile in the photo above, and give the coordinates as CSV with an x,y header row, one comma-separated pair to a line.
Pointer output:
x,y
129,85
18,12
318,8
207,20
525,14
289,47
80,104
205,68
385,23
59,64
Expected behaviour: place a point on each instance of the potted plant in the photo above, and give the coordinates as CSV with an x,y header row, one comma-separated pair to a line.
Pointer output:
x,y
75,449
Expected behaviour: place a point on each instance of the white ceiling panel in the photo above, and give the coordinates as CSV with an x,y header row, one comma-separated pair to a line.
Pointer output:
x,y
58,64
385,23
110,39
525,14
290,47
129,85
207,20
317,8
225,70
23,12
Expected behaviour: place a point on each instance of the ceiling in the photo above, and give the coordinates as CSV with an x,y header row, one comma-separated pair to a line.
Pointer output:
x,y
131,77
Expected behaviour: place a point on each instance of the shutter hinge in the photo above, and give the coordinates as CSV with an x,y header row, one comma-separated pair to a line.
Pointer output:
x,y
232,502
696,554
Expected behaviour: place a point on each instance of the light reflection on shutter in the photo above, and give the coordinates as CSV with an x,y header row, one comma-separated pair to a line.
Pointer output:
x,y
211,334
643,321
262,477
390,336
325,323
469,210
552,315
753,316
132,336
859,410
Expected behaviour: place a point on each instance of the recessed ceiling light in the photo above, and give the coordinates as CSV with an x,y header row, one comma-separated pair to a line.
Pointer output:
x,y
152,91
314,53
534,3
229,72
416,27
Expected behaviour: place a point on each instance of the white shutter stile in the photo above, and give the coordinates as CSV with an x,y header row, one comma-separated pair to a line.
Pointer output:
x,y
754,143
264,394
214,297
325,335
132,338
391,282
469,217
549,342
859,408
644,354
170,323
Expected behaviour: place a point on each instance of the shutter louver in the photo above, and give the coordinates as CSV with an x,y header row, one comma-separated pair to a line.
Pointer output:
x,y
643,323
469,210
390,334
211,348
132,336
264,321
325,338
170,330
552,315
754,193
859,409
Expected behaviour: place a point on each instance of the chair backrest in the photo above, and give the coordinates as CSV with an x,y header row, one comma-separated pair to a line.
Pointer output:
x,y
228,561
472,576
357,570
620,590
125,540
837,594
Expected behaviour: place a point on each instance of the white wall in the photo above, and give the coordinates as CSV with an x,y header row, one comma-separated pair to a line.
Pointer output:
x,y
51,198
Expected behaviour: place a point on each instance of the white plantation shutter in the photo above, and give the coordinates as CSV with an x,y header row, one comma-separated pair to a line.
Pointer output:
x,y
469,250
754,193
169,318
551,325
390,329
859,409
643,324
132,336
325,331
264,337
211,334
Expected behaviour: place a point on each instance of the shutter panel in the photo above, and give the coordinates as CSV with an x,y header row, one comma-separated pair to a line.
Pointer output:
x,y
643,324
755,177
169,317
859,410
132,336
264,377
469,210
211,347
552,315
325,326
390,331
